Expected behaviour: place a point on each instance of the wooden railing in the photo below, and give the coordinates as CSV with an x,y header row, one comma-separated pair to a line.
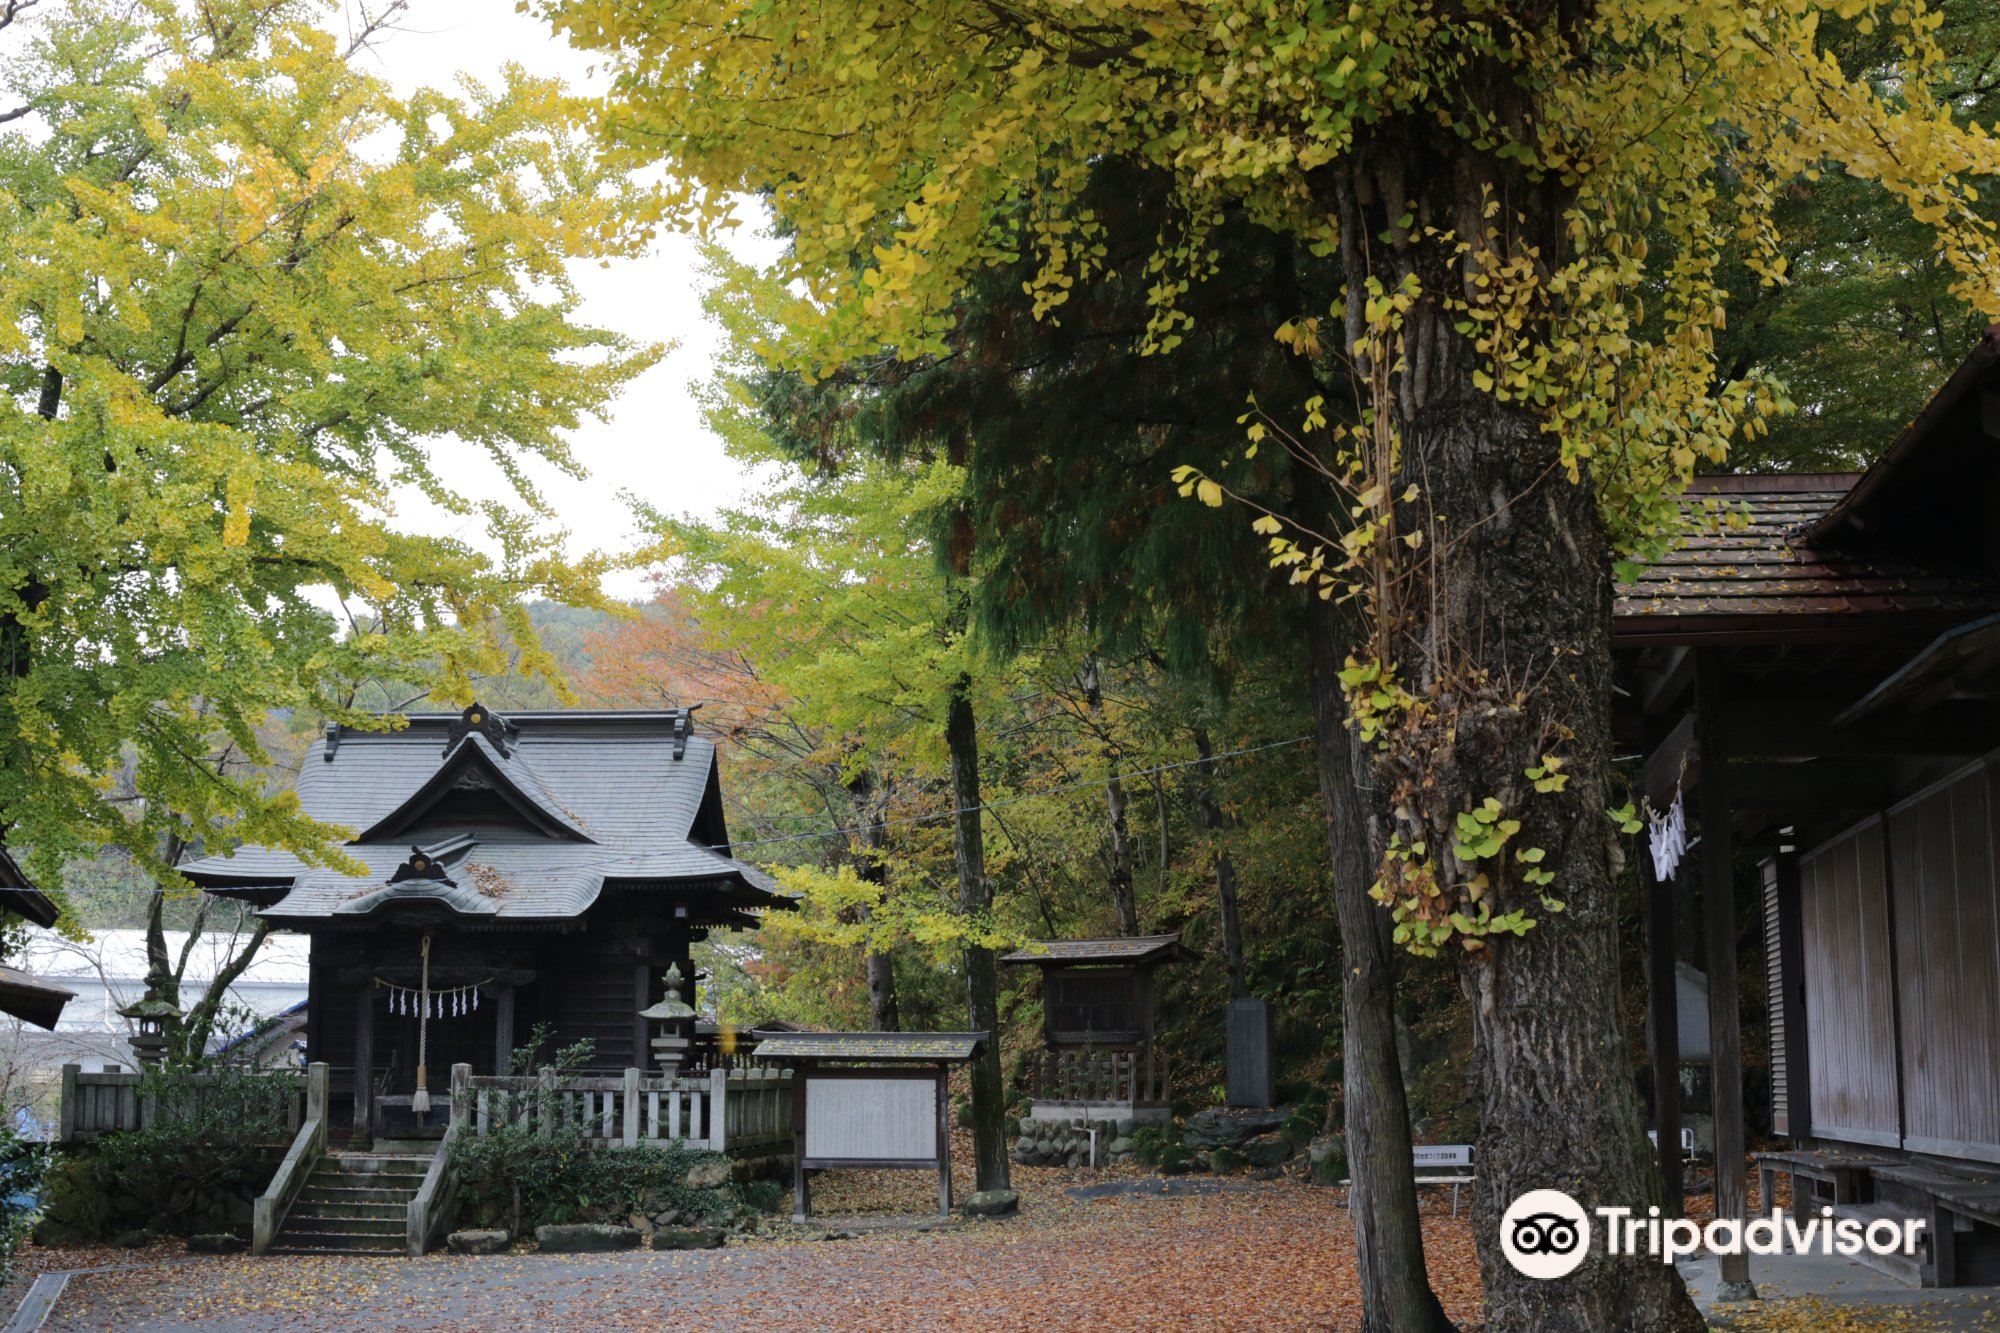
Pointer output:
x,y
727,1109
1129,1078
308,1145
430,1209
94,1105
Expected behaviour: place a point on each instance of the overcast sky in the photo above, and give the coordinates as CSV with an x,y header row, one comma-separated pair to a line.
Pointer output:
x,y
654,444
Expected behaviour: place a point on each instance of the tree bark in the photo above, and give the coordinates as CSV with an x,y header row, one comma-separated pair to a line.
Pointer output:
x,y
982,973
1118,870
1388,1232
871,863
1511,632
1209,812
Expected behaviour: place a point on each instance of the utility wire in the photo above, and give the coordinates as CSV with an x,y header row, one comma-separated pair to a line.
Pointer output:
x,y
1025,796
932,817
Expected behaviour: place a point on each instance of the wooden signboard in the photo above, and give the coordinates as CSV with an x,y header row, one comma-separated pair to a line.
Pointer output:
x,y
870,1099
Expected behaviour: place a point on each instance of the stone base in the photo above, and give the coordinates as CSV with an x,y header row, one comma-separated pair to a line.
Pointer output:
x,y
1047,1140
477,1242
585,1238
1146,1114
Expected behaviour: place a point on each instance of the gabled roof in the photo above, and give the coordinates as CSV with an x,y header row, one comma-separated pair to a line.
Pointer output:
x,y
584,802
873,1047
21,898
1140,950
473,761
1746,565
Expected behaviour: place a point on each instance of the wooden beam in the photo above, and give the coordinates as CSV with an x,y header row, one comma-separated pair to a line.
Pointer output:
x,y
1664,999
1670,764
1661,685
1792,989
1725,1034
1805,729
364,1058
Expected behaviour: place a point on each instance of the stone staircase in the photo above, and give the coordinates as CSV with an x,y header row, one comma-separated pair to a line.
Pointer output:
x,y
355,1203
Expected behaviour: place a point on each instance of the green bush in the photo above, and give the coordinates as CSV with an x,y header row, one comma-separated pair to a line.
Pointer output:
x,y
24,1165
1160,1145
521,1176
1226,1161
199,1166
766,1196
518,1180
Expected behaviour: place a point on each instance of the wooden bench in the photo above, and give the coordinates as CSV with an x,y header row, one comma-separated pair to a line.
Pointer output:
x,y
1440,1164
1848,1173
1950,1198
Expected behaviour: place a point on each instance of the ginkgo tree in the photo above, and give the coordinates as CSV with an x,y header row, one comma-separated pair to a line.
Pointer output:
x,y
1530,202
244,286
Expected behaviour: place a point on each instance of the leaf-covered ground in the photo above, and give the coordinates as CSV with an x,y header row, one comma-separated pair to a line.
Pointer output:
x,y
1274,1256
1143,1253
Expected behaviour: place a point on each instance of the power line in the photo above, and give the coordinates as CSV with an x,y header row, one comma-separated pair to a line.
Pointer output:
x,y
737,846
1025,796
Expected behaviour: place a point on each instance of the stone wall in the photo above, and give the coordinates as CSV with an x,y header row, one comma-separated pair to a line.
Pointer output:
x,y
1067,1142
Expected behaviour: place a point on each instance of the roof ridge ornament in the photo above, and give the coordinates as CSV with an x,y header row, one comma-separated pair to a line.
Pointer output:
x,y
422,865
683,728
477,717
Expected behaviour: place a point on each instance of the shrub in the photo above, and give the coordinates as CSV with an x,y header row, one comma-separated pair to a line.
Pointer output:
x,y
1160,1145
24,1165
766,1196
208,1153
521,1175
1226,1161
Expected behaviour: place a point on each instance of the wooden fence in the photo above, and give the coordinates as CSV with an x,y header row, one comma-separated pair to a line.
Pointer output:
x,y
728,1109
1126,1078
94,1105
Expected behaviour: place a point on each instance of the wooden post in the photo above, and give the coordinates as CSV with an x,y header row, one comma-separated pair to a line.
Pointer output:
x,y
1725,1037
631,1112
68,1109
801,1193
718,1111
503,1028
1664,991
944,1140
317,1077
1792,1003
364,1060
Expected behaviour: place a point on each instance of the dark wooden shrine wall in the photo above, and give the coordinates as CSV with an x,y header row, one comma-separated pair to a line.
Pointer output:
x,y
1900,931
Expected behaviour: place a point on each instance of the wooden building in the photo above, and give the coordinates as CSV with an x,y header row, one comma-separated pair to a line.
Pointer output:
x,y
539,869
1814,675
22,994
1099,1060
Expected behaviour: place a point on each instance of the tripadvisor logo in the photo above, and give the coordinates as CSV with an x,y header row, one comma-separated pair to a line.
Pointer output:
x,y
1546,1234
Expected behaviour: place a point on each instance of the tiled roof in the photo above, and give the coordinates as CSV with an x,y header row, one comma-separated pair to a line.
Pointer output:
x,y
1743,560
612,779
1116,949
873,1046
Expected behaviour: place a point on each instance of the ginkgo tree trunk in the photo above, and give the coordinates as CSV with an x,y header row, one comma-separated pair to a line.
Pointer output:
x,y
1530,201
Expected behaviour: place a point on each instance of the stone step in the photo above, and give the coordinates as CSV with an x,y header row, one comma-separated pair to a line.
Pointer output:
x,y
300,1224
308,1242
399,1164
363,1180
393,1210
319,1192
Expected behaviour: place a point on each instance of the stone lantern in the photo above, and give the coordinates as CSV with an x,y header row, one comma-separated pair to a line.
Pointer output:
x,y
155,1019
676,1018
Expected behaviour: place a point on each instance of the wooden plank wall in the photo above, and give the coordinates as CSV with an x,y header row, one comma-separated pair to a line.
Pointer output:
x,y
1850,988
1942,872
1774,990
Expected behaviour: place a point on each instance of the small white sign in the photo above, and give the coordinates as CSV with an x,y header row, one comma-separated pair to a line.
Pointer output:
x,y
872,1119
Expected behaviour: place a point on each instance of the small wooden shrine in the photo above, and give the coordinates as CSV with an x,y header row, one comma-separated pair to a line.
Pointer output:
x,y
539,869
1099,1060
